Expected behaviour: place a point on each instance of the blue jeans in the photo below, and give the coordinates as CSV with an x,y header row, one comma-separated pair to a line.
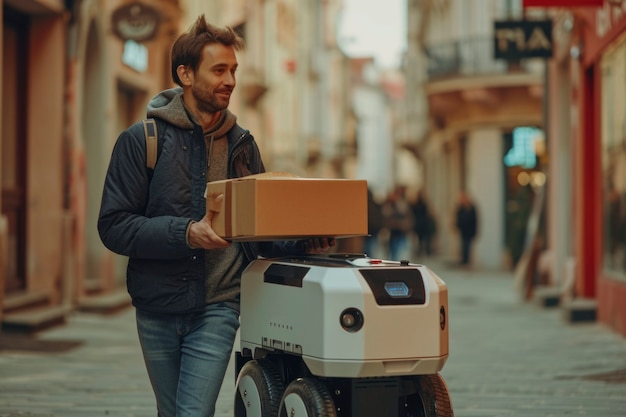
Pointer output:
x,y
370,246
397,246
186,357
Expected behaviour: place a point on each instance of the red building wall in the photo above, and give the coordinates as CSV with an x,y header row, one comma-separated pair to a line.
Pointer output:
x,y
599,27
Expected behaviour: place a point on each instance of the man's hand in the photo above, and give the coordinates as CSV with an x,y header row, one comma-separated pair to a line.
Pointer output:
x,y
319,245
202,235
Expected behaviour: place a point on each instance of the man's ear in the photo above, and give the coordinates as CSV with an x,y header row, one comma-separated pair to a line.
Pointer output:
x,y
185,73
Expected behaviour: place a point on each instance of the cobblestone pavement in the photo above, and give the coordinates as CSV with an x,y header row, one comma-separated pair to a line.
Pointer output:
x,y
507,358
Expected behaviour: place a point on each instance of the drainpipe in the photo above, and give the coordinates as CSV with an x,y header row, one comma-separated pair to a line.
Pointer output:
x,y
3,224
69,262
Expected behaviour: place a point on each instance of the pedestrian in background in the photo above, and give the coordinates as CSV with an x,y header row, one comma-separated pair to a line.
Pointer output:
x,y
398,221
183,278
424,225
375,223
466,224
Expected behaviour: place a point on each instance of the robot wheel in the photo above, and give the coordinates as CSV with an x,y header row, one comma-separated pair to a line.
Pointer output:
x,y
262,392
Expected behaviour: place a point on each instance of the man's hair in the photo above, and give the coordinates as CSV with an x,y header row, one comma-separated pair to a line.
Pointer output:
x,y
187,50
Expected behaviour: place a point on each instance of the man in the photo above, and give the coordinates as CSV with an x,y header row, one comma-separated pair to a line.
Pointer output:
x,y
183,278
466,224
423,225
398,220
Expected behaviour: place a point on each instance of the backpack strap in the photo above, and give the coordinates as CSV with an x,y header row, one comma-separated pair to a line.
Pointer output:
x,y
150,130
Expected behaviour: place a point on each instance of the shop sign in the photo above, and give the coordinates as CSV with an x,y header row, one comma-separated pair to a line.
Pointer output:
x,y
517,39
601,27
608,17
562,3
136,22
523,150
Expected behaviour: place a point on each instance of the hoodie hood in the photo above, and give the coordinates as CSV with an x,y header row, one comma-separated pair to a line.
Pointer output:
x,y
223,125
168,105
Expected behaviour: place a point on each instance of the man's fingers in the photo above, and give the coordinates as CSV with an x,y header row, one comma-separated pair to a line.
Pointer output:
x,y
214,202
319,245
327,242
203,236
214,206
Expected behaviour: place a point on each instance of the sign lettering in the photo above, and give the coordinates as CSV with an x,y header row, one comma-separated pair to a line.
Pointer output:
x,y
562,3
608,16
515,40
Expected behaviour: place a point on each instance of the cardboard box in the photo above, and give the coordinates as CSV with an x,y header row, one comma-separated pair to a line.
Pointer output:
x,y
276,206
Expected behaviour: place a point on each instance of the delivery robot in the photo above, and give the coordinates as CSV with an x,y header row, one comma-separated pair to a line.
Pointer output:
x,y
341,335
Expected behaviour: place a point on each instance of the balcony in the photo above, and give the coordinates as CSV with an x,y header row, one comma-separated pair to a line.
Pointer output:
x,y
467,86
469,57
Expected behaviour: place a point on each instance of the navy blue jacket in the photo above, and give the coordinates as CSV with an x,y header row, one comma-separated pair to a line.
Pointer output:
x,y
144,214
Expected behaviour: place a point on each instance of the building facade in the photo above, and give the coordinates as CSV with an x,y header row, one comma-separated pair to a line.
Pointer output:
x,y
596,64
32,153
559,216
76,73
476,118
73,78
585,130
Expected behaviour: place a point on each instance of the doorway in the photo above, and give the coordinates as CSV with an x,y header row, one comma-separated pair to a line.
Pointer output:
x,y
14,35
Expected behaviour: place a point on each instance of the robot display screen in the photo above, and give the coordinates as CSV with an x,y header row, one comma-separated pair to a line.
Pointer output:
x,y
396,286
397,289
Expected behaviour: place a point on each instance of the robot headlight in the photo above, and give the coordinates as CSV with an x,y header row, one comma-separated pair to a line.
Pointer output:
x,y
351,319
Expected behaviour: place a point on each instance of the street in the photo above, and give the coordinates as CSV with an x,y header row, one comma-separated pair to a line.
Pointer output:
x,y
507,358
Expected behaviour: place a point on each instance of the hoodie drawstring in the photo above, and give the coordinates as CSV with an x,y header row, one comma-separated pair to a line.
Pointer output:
x,y
208,160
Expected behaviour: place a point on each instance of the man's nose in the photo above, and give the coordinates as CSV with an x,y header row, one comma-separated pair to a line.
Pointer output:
x,y
230,79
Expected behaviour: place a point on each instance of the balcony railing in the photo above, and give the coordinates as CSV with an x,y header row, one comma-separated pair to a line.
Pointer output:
x,y
474,56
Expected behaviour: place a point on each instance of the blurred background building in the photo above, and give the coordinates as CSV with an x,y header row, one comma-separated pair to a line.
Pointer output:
x,y
518,102
467,110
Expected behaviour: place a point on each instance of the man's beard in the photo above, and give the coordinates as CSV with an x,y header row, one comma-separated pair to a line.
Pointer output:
x,y
208,102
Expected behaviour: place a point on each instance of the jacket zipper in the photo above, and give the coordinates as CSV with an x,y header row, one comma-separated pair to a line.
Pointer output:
x,y
237,148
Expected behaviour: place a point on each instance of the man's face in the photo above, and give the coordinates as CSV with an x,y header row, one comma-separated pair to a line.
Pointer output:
x,y
214,81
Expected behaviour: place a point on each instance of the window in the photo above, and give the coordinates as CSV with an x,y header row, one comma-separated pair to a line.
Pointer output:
x,y
613,145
